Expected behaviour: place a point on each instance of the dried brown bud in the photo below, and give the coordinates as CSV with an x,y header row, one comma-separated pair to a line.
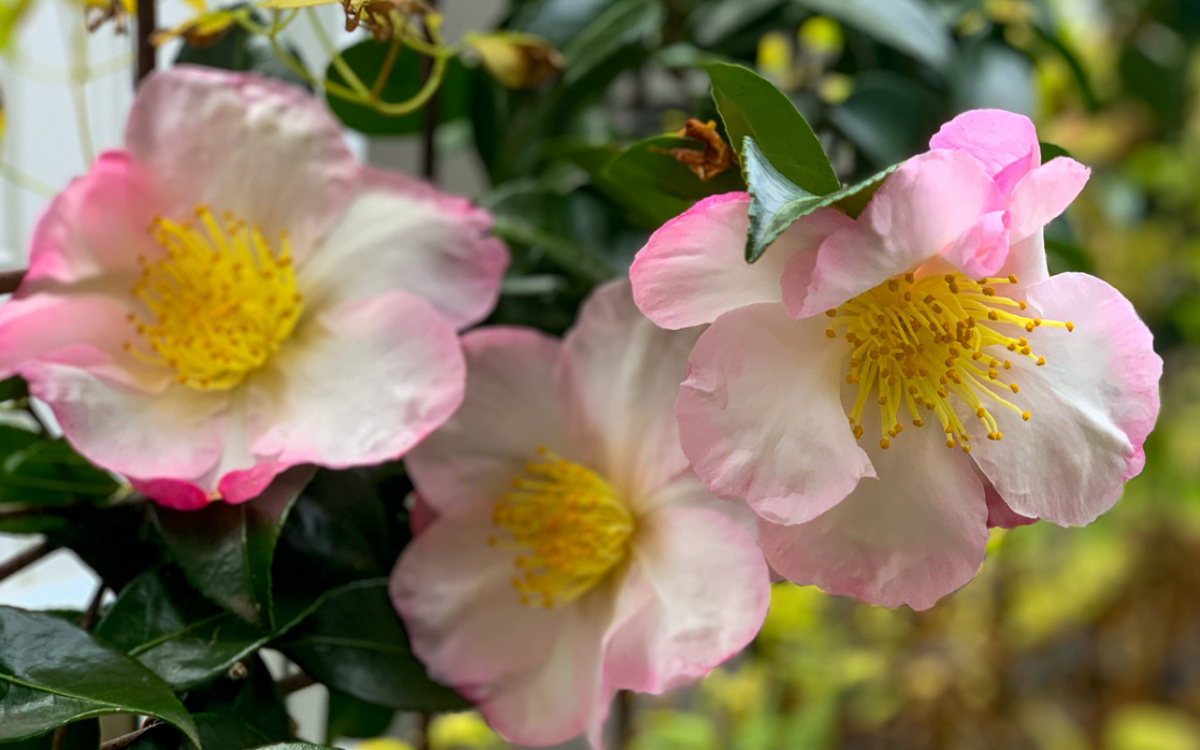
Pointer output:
x,y
712,160
384,18
517,61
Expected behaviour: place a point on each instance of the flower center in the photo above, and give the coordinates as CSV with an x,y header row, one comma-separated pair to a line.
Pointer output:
x,y
569,525
221,302
917,341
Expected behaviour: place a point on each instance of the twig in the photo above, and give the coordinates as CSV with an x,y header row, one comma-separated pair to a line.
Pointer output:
x,y
125,740
423,722
429,126
624,720
10,280
147,21
19,562
294,683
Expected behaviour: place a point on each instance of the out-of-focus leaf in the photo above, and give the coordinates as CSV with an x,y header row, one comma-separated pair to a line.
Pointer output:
x,y
11,13
1052,151
888,117
1150,727
356,643
752,106
367,58
351,717
910,26
775,203
992,75
52,673
623,23
225,549
80,735
720,20
239,50
15,387
161,621
35,470
558,21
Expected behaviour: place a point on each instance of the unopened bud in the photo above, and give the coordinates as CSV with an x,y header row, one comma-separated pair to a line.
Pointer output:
x,y
517,61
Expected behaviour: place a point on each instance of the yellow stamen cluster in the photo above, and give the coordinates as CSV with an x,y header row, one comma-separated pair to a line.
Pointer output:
x,y
569,525
220,302
915,342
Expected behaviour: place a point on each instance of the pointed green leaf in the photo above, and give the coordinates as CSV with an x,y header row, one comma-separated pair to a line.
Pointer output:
x,y
355,642
750,105
910,26
775,203
225,549
52,673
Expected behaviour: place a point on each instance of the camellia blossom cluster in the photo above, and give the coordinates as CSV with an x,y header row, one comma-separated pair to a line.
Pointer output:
x,y
232,294
881,390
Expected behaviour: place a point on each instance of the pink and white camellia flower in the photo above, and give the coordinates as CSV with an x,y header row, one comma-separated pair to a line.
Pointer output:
x,y
978,390
232,294
573,554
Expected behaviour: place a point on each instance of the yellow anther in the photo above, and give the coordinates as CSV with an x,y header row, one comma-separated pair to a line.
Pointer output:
x,y
568,526
1070,326
884,443
1026,415
830,333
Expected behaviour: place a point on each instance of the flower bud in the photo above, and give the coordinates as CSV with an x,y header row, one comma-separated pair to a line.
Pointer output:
x,y
517,61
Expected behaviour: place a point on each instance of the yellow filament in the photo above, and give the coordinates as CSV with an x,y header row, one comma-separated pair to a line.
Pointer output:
x,y
219,303
916,342
569,526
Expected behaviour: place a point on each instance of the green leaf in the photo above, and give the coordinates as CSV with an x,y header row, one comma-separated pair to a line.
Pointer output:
x,y
36,470
366,59
80,735
908,25
248,697
650,184
750,105
13,388
888,117
1053,151
52,673
351,717
356,643
239,50
217,732
161,621
623,23
11,13
226,549
776,203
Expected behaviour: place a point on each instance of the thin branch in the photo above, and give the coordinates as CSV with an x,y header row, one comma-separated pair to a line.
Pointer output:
x,y
429,163
625,711
147,21
423,722
10,280
19,562
294,683
125,740
89,616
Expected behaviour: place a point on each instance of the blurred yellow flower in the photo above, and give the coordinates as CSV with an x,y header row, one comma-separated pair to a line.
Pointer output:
x,y
461,731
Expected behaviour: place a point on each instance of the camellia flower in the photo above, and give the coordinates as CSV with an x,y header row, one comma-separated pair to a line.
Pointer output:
x,y
573,554
233,294
977,388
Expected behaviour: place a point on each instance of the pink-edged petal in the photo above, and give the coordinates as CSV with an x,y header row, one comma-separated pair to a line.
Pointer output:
x,y
509,409
534,673
172,493
761,414
999,514
399,233
356,385
265,150
694,268
913,535
1093,403
700,606
1043,194
618,379
173,435
93,232
919,212
1004,142
983,249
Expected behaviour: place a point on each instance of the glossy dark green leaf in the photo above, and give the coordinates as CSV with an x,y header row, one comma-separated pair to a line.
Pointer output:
x,y
80,735
351,717
776,203
248,696
225,549
910,26
35,470
621,24
239,50
52,673
161,621
1053,151
366,59
649,183
217,732
750,105
356,643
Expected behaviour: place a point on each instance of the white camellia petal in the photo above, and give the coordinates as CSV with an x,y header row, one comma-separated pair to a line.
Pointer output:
x,y
265,150
761,414
618,378
508,411
913,535
399,233
1092,405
